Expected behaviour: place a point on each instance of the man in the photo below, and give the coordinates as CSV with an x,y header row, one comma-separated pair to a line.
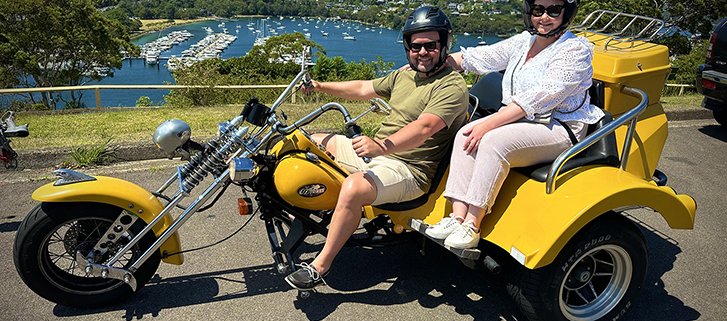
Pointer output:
x,y
429,105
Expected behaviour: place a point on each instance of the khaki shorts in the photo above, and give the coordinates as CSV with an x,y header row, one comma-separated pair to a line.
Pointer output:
x,y
394,181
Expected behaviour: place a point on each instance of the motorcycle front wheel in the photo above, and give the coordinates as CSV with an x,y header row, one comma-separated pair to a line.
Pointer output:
x,y
45,254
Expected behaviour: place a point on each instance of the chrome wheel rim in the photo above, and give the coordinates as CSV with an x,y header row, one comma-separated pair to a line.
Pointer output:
x,y
61,268
596,283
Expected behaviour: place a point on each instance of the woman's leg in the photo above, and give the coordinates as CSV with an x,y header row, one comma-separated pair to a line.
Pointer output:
x,y
517,144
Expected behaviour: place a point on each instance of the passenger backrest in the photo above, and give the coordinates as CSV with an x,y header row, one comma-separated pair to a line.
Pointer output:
x,y
488,90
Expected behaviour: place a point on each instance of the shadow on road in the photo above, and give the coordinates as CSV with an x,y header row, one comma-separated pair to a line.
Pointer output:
x,y
654,302
715,131
390,276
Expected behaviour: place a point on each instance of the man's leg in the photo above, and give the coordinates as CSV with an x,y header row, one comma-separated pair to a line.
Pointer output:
x,y
358,190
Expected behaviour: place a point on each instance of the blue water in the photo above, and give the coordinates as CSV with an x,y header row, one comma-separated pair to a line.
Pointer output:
x,y
368,44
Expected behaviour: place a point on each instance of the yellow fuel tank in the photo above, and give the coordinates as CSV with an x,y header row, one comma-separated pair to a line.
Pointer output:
x,y
305,181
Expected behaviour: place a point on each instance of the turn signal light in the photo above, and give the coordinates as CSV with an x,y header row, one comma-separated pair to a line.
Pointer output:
x,y
244,205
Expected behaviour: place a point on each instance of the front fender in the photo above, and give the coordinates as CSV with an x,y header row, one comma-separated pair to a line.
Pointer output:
x,y
534,226
121,193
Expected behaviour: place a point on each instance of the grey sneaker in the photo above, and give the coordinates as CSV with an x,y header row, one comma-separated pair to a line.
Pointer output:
x,y
464,237
306,278
442,229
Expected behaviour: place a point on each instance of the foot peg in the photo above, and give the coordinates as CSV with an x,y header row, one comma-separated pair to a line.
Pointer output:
x,y
467,254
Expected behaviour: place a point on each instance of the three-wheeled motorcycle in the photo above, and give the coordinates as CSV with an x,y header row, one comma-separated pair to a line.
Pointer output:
x,y
570,253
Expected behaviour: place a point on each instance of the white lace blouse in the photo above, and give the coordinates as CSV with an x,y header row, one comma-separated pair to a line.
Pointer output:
x,y
555,79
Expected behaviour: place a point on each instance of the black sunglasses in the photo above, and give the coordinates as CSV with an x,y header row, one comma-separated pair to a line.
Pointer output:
x,y
428,46
553,10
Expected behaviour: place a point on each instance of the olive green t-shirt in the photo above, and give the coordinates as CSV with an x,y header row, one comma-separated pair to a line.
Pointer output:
x,y
443,94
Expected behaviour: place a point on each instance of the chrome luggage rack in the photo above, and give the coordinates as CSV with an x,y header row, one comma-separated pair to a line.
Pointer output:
x,y
632,27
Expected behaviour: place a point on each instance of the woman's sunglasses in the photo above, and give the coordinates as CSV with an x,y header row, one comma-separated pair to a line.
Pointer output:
x,y
553,10
428,46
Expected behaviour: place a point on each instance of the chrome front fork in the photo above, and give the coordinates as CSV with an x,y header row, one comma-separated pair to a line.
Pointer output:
x,y
125,221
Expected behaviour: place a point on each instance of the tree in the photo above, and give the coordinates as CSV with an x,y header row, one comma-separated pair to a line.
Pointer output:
x,y
46,43
694,16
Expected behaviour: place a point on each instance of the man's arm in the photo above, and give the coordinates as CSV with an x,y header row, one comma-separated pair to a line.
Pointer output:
x,y
410,136
351,90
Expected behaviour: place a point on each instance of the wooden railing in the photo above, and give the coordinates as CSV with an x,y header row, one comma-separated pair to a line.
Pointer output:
x,y
97,89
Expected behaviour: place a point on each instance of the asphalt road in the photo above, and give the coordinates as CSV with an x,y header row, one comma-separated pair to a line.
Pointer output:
x,y
236,280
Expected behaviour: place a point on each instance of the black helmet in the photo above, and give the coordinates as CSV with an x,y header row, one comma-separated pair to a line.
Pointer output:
x,y
571,9
428,18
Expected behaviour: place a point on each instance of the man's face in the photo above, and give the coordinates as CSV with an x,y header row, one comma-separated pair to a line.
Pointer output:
x,y
424,50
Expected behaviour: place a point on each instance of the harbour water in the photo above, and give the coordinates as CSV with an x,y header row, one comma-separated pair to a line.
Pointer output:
x,y
371,41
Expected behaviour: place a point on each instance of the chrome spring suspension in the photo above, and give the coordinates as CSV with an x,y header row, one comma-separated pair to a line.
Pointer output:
x,y
204,163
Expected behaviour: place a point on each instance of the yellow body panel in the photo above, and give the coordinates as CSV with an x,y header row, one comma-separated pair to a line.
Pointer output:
x,y
126,195
539,225
649,139
294,172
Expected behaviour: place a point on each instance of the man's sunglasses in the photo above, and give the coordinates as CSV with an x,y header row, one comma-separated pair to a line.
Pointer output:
x,y
553,10
428,46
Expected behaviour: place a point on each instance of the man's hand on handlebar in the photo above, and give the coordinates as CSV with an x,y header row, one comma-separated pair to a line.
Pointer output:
x,y
310,86
364,146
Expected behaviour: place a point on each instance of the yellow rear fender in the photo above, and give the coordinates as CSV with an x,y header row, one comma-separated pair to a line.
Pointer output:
x,y
534,226
121,193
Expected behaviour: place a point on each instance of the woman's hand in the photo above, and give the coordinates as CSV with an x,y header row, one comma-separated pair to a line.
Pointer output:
x,y
364,146
474,137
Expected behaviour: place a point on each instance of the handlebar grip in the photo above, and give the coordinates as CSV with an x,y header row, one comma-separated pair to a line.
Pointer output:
x,y
354,131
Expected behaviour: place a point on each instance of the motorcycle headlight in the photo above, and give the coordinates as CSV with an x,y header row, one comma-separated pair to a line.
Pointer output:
x,y
242,169
171,135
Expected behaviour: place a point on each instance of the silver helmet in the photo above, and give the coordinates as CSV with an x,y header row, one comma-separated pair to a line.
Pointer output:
x,y
171,135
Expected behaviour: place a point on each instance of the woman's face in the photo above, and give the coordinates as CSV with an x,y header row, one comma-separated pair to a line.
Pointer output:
x,y
545,23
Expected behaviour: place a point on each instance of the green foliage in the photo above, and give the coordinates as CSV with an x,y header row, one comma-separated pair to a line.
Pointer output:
x,y
99,154
687,64
53,43
144,101
336,69
264,65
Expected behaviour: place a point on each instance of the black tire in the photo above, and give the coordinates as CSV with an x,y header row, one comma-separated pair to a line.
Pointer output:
x,y
720,116
567,289
45,247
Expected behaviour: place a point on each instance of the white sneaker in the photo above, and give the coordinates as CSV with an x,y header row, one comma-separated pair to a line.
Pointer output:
x,y
442,229
464,237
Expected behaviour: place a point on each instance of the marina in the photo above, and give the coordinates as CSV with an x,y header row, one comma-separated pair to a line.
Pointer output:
x,y
371,42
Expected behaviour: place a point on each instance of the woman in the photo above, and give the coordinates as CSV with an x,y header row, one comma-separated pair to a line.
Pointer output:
x,y
547,73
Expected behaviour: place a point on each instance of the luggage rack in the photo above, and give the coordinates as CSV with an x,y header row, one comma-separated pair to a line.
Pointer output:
x,y
594,23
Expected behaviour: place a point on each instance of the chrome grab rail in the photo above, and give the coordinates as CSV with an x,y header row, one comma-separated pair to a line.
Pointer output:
x,y
618,35
631,115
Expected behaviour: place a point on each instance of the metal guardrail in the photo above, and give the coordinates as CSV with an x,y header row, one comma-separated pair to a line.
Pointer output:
x,y
97,89
630,116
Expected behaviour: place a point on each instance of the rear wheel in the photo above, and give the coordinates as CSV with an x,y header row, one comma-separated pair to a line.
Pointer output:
x,y
594,277
45,253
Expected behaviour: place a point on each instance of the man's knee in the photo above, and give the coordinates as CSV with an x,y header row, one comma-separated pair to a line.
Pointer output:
x,y
327,140
358,188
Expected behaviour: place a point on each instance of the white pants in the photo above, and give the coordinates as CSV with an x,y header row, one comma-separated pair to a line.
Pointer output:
x,y
476,179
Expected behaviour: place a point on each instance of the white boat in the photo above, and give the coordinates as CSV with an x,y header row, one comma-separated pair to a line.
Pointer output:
x,y
349,38
152,58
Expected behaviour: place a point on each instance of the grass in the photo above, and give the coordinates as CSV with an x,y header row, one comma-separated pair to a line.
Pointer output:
x,y
94,128
100,154
63,130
